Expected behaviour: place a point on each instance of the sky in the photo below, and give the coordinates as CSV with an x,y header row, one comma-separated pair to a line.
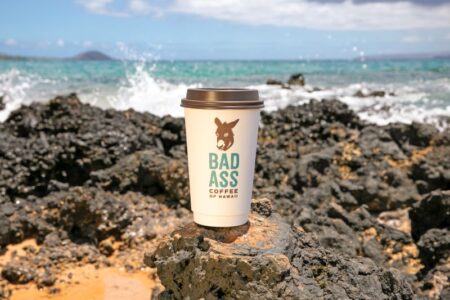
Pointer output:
x,y
224,29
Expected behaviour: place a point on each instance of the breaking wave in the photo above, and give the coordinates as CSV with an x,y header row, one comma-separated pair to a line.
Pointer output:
x,y
138,88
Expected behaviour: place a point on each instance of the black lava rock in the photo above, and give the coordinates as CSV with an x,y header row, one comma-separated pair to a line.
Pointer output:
x,y
432,212
266,260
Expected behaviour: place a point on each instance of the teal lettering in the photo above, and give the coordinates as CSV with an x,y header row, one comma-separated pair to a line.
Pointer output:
x,y
234,181
223,162
224,179
234,160
213,161
213,180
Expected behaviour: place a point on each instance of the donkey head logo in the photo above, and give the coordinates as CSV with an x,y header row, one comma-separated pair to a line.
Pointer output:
x,y
224,133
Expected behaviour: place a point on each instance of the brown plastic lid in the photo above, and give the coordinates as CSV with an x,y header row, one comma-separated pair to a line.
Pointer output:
x,y
222,98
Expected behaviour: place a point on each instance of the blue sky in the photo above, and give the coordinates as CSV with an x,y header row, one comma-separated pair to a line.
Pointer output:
x,y
224,29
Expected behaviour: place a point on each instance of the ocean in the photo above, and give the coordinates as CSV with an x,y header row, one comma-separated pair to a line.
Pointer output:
x,y
416,90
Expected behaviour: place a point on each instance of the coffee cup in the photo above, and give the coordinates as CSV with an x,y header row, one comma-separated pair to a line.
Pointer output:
x,y
221,133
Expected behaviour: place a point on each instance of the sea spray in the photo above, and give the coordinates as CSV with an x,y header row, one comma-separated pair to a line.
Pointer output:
x,y
415,90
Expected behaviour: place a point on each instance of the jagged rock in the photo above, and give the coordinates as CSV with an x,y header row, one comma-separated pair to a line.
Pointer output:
x,y
266,259
415,134
274,82
297,79
2,103
80,226
150,172
4,292
79,179
435,284
432,168
434,246
46,279
18,273
64,141
365,93
432,212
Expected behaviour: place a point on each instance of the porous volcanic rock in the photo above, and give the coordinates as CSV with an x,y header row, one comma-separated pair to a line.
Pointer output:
x,y
297,79
45,146
266,259
432,212
274,82
434,247
150,172
90,185
4,292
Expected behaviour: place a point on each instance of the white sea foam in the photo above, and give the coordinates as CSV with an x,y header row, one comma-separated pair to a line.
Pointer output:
x,y
141,91
405,104
13,88
144,93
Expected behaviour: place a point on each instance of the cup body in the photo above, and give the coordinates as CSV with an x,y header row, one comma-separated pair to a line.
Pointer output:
x,y
221,147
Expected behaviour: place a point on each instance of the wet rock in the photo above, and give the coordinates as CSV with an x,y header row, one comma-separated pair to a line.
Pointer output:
x,y
432,212
297,79
277,82
364,93
274,82
266,259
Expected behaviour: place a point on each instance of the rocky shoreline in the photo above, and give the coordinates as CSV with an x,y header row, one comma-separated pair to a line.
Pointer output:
x,y
103,187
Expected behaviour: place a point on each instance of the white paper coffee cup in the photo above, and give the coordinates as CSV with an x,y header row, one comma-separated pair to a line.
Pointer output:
x,y
221,133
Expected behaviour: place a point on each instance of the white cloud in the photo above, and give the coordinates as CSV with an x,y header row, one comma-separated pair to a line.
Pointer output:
x,y
412,39
10,42
139,7
330,15
60,43
327,15
132,7
101,7
87,44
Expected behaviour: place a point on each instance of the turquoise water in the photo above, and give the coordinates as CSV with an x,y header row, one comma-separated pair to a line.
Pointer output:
x,y
237,72
421,87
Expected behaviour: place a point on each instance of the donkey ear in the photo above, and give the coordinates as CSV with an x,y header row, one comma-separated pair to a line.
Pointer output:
x,y
232,124
218,123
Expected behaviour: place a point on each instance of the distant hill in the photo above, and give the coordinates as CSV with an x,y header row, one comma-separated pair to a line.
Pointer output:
x,y
92,55
13,57
89,55
401,56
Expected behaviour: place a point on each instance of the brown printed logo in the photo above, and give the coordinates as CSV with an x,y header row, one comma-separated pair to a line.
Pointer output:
x,y
224,133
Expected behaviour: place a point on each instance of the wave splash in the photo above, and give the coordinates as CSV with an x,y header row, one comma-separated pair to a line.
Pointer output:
x,y
14,87
426,101
404,104
142,92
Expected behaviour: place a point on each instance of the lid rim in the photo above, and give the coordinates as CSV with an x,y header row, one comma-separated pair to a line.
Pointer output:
x,y
222,98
